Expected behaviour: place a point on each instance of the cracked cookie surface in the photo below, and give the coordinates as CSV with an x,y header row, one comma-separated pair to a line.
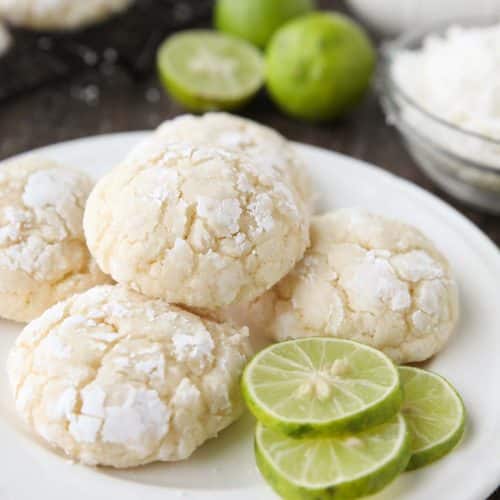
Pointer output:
x,y
271,151
43,254
114,378
366,278
196,225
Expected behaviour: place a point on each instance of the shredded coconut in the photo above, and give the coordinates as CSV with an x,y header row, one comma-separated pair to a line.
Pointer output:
x,y
456,77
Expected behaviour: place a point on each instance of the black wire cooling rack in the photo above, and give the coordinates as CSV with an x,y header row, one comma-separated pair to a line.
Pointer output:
x,y
129,40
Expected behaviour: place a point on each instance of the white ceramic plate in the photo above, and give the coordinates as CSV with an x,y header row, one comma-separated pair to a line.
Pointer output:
x,y
224,468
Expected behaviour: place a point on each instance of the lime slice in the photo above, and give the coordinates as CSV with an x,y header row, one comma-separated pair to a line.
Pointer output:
x,y
319,386
339,467
205,70
435,415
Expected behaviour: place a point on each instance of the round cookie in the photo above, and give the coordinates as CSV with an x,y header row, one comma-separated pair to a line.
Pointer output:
x,y
366,278
59,14
114,378
199,226
43,254
271,151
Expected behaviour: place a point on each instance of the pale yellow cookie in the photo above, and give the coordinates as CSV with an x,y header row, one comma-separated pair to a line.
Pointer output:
x,y
366,278
114,378
271,152
43,255
196,225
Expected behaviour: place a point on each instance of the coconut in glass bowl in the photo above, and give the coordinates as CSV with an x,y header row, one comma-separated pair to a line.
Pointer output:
x,y
440,87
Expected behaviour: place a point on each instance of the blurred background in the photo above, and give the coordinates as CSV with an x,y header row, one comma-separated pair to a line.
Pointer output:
x,y
61,85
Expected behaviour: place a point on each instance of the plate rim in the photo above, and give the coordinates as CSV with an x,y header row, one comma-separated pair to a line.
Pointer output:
x,y
480,241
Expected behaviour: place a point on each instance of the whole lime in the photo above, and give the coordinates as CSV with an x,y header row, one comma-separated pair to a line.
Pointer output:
x,y
319,66
257,20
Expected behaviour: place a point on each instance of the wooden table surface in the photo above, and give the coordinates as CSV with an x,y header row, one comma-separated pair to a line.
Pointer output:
x,y
97,104
93,104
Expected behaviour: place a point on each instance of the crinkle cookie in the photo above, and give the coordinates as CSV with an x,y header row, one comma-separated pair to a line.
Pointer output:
x,y
59,14
114,378
271,151
365,278
199,226
43,254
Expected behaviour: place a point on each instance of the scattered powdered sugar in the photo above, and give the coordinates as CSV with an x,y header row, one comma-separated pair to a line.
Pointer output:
x,y
197,345
262,212
116,309
421,321
186,395
224,215
64,406
142,418
430,296
373,282
234,139
417,265
153,365
56,346
93,398
50,187
15,219
83,428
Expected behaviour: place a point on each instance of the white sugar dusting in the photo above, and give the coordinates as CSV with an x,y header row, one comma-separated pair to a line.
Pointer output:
x,y
197,345
93,398
64,406
262,212
57,347
373,282
142,418
84,429
223,214
417,265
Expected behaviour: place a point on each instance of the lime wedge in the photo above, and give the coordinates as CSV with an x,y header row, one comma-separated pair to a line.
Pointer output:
x,y
319,386
339,467
205,70
434,412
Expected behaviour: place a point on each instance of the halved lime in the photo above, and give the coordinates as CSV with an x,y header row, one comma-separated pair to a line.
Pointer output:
x,y
319,386
333,468
434,412
205,70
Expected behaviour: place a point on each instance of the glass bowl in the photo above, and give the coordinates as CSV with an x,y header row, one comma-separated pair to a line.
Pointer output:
x,y
463,163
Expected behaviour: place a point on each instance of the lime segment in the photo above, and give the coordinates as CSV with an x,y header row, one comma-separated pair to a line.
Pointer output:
x,y
434,412
316,386
340,467
205,70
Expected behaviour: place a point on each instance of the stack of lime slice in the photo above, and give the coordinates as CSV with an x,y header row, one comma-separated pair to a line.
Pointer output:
x,y
338,420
